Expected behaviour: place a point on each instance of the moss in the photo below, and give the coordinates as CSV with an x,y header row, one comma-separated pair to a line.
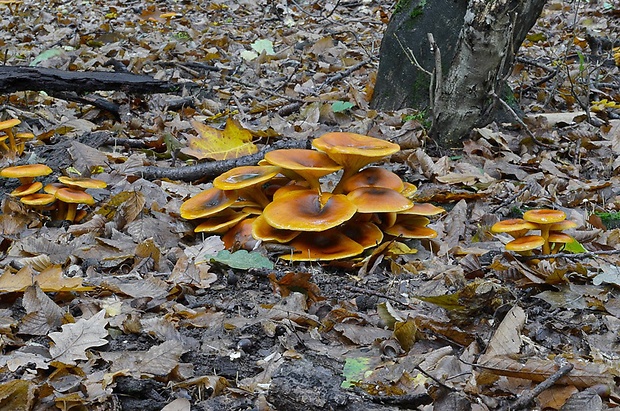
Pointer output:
x,y
610,220
418,10
401,4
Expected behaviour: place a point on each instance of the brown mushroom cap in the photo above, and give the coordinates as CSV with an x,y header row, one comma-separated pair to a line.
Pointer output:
x,y
38,199
354,151
240,236
556,237
525,243
245,176
73,196
378,200
221,222
544,216
207,202
311,165
53,187
82,182
408,229
307,210
562,225
27,189
261,230
27,171
373,177
365,234
324,245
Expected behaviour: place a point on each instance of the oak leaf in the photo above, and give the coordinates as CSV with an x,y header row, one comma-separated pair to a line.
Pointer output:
x,y
232,142
71,343
50,280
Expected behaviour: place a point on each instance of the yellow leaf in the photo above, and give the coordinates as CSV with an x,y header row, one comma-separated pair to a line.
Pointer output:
x,y
232,142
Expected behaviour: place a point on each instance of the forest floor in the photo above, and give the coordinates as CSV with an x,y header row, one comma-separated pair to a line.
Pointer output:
x,y
130,309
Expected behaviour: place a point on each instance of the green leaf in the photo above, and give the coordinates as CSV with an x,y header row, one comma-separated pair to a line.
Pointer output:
x,y
340,106
354,370
574,247
242,260
263,45
46,55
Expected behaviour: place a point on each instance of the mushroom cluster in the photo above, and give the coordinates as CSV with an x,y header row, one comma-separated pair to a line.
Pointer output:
x,y
549,224
61,199
16,141
282,200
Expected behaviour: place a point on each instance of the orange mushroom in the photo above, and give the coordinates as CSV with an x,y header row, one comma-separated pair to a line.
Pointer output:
x,y
353,151
309,210
73,197
516,227
524,245
207,202
321,246
261,230
310,165
373,177
26,174
378,200
247,180
7,127
544,218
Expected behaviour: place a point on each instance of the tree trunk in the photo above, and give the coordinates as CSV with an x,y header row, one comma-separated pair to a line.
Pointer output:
x,y
476,54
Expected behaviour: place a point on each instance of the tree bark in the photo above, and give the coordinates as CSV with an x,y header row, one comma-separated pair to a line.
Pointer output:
x,y
477,40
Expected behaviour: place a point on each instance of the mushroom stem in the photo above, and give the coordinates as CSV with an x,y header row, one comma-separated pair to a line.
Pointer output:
x,y
348,172
71,211
544,233
12,144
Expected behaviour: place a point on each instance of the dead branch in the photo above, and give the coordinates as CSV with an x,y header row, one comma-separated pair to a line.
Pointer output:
x,y
21,78
202,171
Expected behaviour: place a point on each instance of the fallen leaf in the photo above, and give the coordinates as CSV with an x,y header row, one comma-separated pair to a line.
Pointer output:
x,y
242,259
232,142
50,280
17,395
71,343
42,314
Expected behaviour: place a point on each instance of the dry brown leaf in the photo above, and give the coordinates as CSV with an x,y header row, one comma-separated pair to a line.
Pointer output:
x,y
17,395
296,282
71,343
455,221
42,314
158,360
507,338
50,280
583,375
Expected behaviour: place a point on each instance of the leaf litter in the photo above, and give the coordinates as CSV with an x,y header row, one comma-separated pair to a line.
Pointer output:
x,y
130,309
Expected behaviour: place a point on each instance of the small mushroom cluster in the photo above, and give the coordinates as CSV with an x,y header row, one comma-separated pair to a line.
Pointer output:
x,y
62,198
550,224
281,200
16,141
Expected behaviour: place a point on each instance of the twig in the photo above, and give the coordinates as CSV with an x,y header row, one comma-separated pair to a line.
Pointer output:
x,y
518,120
578,256
411,56
370,292
508,200
526,398
342,74
212,169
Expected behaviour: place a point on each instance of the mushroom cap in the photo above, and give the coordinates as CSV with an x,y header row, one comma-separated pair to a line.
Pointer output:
x,y
9,123
53,187
544,216
525,243
287,189
409,189
207,202
354,151
25,171
423,209
261,230
38,199
307,210
562,225
82,182
245,176
373,177
220,222
512,225
411,227
240,236
378,200
72,195
555,237
365,234
27,189
324,245
309,164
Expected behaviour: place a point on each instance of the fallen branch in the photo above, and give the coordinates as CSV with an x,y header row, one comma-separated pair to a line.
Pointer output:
x,y
21,78
213,169
573,256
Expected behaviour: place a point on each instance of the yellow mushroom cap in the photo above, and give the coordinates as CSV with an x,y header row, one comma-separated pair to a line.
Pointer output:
x,y
423,209
25,171
562,225
71,195
378,200
373,177
525,243
9,123
309,164
82,182
38,199
220,222
354,151
245,176
240,236
307,210
555,237
544,216
207,202
261,230
512,225
365,234
27,189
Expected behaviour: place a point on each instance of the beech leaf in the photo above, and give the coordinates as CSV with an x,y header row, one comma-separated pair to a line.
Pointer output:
x,y
232,142
50,280
71,343
242,260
